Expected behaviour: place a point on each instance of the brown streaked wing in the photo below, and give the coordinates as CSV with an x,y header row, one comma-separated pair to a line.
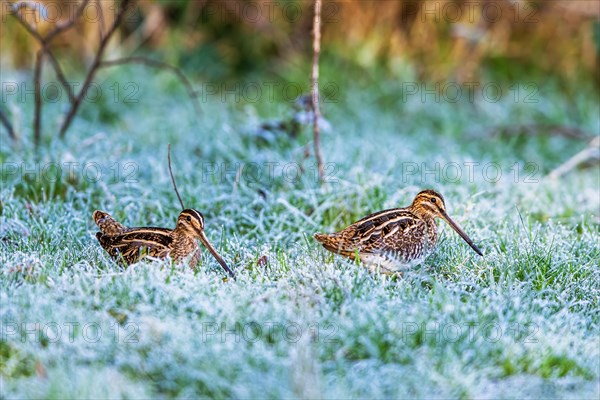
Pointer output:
x,y
383,215
386,231
138,242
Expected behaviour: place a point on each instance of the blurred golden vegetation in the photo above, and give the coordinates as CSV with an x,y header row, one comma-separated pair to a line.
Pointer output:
x,y
441,39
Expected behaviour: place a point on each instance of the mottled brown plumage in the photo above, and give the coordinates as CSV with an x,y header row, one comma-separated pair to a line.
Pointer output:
x,y
129,245
107,224
392,240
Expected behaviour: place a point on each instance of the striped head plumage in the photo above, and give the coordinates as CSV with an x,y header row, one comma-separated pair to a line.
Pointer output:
x,y
191,222
431,204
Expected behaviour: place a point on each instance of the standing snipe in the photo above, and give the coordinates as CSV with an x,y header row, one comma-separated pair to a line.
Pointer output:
x,y
129,245
396,238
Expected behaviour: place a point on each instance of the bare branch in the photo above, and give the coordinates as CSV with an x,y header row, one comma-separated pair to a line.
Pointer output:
x,y
101,18
9,128
173,178
60,74
33,31
590,155
37,119
45,43
161,65
45,49
315,88
75,100
59,28
93,69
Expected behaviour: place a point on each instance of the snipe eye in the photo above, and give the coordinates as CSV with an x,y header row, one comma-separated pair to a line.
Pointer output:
x,y
433,200
189,218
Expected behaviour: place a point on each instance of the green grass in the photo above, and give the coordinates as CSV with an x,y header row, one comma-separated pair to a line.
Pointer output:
x,y
520,322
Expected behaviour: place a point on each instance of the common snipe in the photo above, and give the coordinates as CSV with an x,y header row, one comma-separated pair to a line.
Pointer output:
x,y
396,238
129,245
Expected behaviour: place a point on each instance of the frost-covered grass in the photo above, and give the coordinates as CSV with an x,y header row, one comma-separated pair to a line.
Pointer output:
x,y
521,322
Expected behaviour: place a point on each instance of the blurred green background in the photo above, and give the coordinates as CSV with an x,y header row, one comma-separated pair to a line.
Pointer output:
x,y
528,49
440,40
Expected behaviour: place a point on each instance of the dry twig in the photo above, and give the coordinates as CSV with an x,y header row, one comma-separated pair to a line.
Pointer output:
x,y
76,100
93,68
173,178
37,118
44,42
315,88
9,128
590,156
60,75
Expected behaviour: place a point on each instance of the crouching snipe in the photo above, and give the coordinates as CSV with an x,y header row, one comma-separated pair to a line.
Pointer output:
x,y
394,239
129,245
